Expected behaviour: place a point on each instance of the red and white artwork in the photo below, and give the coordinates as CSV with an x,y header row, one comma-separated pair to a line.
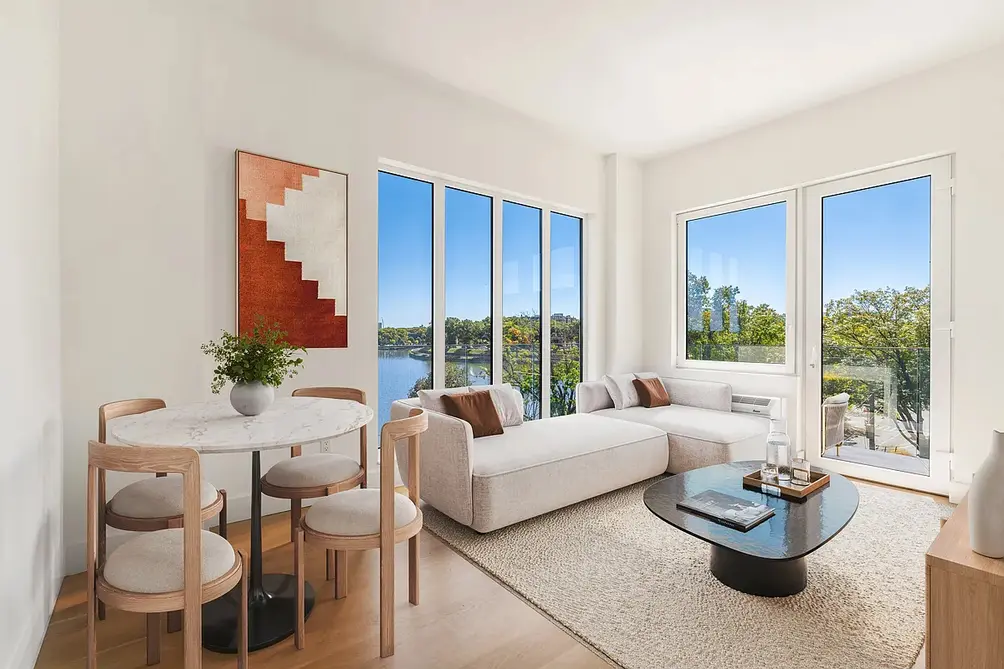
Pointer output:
x,y
292,250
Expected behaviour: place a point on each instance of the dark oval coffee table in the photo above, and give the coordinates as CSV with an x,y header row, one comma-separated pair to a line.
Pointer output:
x,y
768,560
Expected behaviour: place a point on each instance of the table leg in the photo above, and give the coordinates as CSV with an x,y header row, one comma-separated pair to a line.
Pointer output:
x,y
758,576
271,597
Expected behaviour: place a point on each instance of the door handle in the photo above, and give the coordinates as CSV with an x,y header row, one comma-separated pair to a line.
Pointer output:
x,y
813,358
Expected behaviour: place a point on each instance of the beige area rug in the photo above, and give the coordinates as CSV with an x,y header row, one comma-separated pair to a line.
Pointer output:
x,y
639,591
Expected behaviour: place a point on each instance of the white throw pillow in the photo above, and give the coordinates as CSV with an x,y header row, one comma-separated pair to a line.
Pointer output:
x,y
508,402
432,400
622,390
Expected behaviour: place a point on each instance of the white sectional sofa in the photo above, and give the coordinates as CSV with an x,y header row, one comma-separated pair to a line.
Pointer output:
x,y
700,425
543,465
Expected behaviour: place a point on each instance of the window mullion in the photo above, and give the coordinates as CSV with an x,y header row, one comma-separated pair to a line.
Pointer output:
x,y
545,314
438,284
497,290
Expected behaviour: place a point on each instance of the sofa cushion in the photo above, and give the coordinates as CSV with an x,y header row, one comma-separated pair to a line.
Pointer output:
x,y
478,409
701,437
701,394
651,392
508,402
622,390
433,399
547,464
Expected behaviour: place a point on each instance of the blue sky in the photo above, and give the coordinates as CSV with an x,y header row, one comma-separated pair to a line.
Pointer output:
x,y
872,238
405,255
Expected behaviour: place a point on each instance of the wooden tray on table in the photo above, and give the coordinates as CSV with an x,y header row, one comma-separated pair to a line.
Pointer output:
x,y
790,492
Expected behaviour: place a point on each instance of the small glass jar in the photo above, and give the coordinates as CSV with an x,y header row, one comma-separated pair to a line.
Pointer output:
x,y
800,470
778,463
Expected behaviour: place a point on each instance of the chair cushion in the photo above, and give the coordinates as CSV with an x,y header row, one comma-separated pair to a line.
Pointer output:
x,y
157,497
315,469
153,562
356,513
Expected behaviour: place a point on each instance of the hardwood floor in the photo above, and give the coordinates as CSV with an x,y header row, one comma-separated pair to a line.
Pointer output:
x,y
466,620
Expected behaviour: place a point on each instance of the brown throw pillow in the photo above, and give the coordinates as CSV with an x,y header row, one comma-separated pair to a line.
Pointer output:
x,y
651,392
476,408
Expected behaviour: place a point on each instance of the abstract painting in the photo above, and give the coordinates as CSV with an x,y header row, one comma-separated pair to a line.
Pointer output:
x,y
292,248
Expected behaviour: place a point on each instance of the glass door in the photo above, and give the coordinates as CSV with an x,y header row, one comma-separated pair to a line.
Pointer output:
x,y
878,318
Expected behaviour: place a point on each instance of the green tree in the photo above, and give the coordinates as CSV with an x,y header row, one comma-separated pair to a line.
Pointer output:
x,y
891,329
721,326
521,355
455,378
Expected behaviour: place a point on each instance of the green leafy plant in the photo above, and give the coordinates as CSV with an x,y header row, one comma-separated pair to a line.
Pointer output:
x,y
263,355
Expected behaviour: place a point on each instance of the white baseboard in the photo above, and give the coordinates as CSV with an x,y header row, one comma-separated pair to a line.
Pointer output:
x,y
956,491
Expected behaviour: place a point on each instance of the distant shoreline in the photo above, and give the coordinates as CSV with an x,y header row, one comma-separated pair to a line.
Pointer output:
x,y
423,353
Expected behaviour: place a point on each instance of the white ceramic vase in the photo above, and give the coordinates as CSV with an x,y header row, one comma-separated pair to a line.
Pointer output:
x,y
251,399
986,503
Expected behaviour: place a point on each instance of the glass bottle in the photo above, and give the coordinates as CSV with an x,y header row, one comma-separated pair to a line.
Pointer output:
x,y
778,452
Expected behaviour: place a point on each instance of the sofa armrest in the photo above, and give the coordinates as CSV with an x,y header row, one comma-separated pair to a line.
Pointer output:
x,y
445,469
592,396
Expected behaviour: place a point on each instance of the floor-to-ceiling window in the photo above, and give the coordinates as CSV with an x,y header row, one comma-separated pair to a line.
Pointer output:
x,y
566,311
521,329
468,279
462,278
405,294
878,323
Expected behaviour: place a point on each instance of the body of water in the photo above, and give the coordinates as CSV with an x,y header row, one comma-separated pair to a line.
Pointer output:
x,y
397,372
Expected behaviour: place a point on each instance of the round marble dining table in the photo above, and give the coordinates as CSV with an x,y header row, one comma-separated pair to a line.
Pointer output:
x,y
215,427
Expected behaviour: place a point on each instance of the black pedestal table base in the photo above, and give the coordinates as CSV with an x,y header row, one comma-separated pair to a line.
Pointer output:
x,y
271,597
758,576
271,610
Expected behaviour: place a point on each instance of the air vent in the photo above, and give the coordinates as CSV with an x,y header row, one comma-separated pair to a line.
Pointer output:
x,y
757,405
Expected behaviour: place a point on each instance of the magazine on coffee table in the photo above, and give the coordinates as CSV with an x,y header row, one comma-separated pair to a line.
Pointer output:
x,y
737,513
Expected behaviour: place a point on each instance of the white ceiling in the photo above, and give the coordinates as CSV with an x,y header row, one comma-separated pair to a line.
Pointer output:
x,y
647,76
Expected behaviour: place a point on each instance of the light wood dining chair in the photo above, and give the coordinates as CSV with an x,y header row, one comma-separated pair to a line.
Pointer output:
x,y
149,504
318,474
363,519
164,570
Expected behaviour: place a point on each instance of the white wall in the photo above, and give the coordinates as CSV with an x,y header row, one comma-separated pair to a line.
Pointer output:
x,y
958,107
624,266
156,97
31,539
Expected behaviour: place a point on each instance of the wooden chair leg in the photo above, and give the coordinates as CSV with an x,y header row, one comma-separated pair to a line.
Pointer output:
x,y
223,515
242,649
102,535
386,602
413,547
175,621
300,637
92,632
152,639
294,518
341,574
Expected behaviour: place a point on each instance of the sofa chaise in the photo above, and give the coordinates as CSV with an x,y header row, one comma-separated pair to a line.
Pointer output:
x,y
543,465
